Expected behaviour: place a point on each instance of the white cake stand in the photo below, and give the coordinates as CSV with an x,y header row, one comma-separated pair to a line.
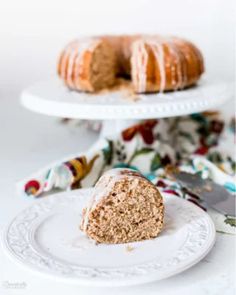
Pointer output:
x,y
119,109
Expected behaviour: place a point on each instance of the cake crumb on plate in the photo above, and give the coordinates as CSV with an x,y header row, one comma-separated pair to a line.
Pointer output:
x,y
129,248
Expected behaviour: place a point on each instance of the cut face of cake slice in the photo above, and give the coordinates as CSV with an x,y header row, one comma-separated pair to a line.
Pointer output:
x,y
124,207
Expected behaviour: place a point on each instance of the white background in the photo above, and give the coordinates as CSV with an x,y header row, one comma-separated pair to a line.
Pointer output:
x,y
32,34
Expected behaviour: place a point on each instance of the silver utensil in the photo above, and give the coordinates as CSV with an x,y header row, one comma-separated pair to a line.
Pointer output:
x,y
215,195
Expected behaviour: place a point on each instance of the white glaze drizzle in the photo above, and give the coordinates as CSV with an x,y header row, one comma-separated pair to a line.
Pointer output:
x,y
74,54
65,56
70,67
178,64
193,51
87,45
158,51
186,55
139,61
184,66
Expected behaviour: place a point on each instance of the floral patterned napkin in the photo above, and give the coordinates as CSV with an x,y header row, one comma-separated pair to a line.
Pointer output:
x,y
200,143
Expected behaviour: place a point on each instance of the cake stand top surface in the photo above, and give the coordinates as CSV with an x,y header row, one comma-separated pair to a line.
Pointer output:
x,y
52,97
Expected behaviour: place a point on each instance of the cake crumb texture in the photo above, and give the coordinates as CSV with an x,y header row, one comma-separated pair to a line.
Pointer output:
x,y
130,209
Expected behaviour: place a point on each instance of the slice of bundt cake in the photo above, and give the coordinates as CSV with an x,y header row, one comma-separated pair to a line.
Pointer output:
x,y
124,207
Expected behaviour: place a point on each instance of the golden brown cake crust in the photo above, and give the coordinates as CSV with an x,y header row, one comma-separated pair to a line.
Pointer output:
x,y
153,63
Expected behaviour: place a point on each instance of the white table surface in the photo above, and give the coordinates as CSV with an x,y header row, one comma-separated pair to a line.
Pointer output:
x,y
28,142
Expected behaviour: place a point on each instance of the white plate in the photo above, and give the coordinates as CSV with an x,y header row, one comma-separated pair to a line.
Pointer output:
x,y
51,97
46,238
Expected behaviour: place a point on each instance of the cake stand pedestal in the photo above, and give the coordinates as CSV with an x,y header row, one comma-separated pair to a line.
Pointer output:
x,y
120,109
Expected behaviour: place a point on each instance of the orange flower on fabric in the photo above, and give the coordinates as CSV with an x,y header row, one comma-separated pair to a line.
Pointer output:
x,y
145,129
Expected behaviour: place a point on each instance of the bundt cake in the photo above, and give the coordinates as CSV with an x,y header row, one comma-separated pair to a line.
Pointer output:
x,y
152,63
124,207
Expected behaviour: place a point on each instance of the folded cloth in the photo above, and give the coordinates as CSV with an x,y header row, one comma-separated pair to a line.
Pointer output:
x,y
200,143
